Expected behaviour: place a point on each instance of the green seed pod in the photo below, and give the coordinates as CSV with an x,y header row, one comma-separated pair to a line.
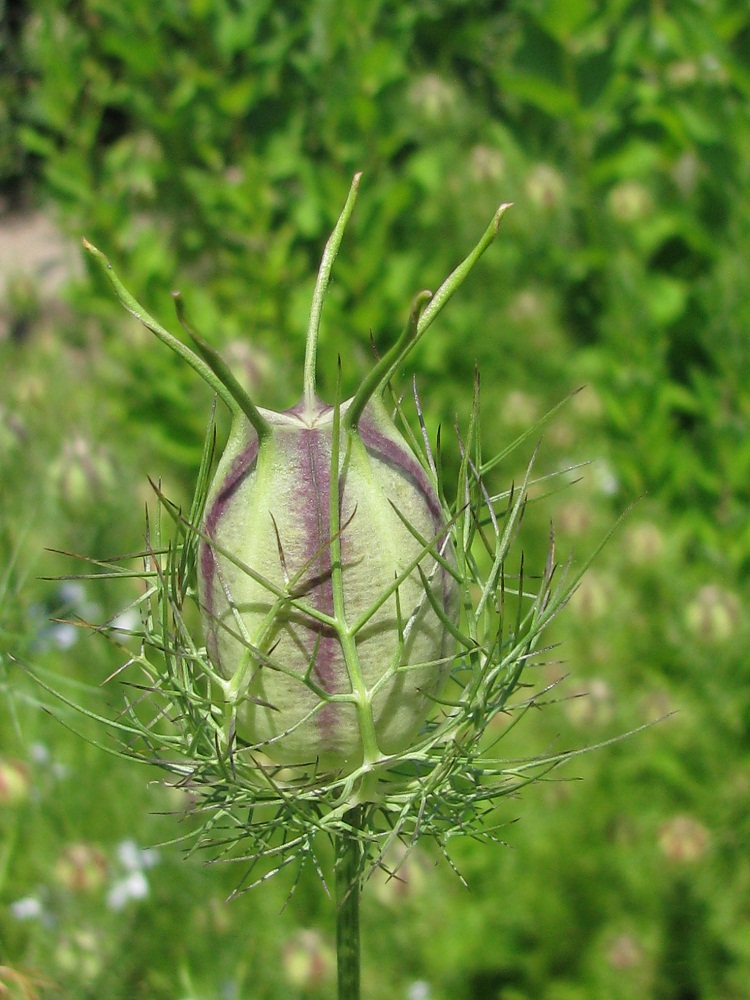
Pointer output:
x,y
330,662
326,573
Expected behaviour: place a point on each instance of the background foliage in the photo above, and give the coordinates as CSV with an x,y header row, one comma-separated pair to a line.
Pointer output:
x,y
211,144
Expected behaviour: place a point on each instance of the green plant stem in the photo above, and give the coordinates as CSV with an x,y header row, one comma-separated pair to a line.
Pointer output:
x,y
451,284
347,907
321,287
137,310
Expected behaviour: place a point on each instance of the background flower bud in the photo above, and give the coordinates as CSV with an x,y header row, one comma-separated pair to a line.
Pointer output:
x,y
714,614
269,512
81,867
14,782
401,877
308,960
83,473
545,186
683,839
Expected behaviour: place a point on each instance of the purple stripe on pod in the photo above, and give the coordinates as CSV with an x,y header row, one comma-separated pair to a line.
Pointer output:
x,y
239,469
315,489
400,457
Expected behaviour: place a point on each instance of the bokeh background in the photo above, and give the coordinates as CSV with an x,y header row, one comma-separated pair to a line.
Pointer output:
x,y
209,145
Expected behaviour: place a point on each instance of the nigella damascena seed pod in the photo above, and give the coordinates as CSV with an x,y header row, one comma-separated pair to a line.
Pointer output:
x,y
330,663
327,580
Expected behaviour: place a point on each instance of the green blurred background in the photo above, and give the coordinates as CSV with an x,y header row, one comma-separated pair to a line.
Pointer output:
x,y
210,144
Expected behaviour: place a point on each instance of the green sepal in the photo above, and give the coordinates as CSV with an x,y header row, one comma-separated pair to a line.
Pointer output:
x,y
223,373
136,309
379,375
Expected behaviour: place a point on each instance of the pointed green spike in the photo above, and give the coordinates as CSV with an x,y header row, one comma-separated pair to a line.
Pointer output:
x,y
321,287
222,371
137,310
388,363
453,282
